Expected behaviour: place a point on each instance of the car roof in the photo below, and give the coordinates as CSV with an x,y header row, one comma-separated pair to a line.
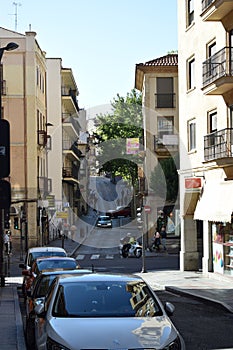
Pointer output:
x,y
46,249
100,277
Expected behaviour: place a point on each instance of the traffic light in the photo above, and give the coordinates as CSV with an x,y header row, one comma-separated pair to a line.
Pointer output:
x,y
16,223
6,219
139,218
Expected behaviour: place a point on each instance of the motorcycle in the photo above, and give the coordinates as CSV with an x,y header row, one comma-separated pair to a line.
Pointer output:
x,y
131,249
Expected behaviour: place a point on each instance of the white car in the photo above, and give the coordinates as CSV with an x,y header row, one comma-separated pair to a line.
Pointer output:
x,y
104,311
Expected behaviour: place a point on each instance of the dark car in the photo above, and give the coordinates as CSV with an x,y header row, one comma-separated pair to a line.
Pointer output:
x,y
37,294
119,211
47,263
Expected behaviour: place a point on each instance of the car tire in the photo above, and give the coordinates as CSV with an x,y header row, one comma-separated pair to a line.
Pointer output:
x,y
30,334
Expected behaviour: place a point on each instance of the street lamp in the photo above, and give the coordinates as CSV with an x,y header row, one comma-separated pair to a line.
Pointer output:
x,y
5,186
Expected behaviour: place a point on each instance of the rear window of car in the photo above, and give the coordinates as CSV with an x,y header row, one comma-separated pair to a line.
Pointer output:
x,y
56,264
105,300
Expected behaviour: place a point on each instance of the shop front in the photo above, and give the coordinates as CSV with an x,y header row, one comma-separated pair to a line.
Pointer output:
x,y
215,208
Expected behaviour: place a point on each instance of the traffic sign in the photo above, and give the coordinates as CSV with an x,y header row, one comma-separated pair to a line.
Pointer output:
x,y
5,194
4,148
147,209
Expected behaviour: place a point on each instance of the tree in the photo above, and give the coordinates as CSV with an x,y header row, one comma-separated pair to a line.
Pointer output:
x,y
164,178
112,131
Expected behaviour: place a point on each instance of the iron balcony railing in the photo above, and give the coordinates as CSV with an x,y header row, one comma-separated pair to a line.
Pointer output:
x,y
218,144
165,100
218,65
206,4
70,172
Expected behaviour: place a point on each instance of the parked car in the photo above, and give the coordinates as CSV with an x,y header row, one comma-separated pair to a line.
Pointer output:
x,y
33,254
47,263
39,289
119,211
104,221
104,311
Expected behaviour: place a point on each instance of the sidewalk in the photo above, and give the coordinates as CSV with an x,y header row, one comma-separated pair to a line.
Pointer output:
x,y
211,288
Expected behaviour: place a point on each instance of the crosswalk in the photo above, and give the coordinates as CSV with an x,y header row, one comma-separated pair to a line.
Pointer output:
x,y
95,256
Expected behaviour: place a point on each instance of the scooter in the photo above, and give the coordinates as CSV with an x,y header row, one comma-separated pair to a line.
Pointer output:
x,y
131,249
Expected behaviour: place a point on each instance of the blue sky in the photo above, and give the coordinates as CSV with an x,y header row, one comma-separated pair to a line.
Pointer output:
x,y
101,40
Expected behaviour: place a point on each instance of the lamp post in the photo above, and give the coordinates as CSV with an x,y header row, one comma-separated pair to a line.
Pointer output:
x,y
5,188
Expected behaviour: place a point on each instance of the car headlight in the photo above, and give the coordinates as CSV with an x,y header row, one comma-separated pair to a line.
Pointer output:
x,y
174,345
53,345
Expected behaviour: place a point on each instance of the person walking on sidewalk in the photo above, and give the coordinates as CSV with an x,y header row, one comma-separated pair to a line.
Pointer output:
x,y
163,235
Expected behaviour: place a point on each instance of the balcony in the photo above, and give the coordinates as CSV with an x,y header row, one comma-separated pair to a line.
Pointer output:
x,y
165,100
70,174
71,150
218,146
166,145
69,100
71,125
217,73
44,186
218,10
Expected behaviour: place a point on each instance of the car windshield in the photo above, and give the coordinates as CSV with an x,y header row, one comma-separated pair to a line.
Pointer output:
x,y
104,218
105,299
56,264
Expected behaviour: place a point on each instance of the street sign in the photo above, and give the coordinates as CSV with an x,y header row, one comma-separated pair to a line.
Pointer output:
x,y
4,148
147,209
61,215
5,194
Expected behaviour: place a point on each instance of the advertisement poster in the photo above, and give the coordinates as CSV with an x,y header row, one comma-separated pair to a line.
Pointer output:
x,y
218,258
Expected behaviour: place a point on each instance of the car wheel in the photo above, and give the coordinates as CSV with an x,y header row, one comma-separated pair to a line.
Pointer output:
x,y
30,333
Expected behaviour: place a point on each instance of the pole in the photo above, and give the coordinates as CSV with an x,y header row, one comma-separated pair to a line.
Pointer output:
x,y
1,210
143,243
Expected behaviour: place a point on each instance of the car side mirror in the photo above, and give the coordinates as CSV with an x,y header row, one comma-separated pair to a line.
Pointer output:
x,y
169,308
40,310
26,273
22,266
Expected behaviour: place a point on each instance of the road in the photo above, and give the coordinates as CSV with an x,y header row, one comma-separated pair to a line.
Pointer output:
x,y
203,326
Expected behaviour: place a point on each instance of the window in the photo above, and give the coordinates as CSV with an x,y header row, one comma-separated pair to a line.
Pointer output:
x,y
191,73
190,14
212,116
165,96
191,135
165,126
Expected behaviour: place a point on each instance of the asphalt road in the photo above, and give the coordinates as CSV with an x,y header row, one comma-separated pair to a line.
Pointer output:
x,y
203,326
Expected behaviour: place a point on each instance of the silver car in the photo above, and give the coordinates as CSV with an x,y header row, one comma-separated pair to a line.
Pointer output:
x,y
104,311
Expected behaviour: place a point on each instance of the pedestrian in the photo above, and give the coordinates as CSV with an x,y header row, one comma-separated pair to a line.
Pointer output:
x,y
7,242
161,221
157,241
73,231
163,235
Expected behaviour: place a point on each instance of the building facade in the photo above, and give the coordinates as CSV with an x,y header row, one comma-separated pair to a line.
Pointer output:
x,y
24,106
158,81
205,41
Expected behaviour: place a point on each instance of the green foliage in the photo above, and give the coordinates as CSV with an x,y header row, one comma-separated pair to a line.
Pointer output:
x,y
164,179
112,131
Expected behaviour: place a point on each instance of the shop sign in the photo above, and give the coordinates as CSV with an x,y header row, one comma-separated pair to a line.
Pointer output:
x,y
192,183
62,215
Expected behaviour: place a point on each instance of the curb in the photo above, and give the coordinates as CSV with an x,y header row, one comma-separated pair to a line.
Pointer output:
x,y
19,322
182,292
